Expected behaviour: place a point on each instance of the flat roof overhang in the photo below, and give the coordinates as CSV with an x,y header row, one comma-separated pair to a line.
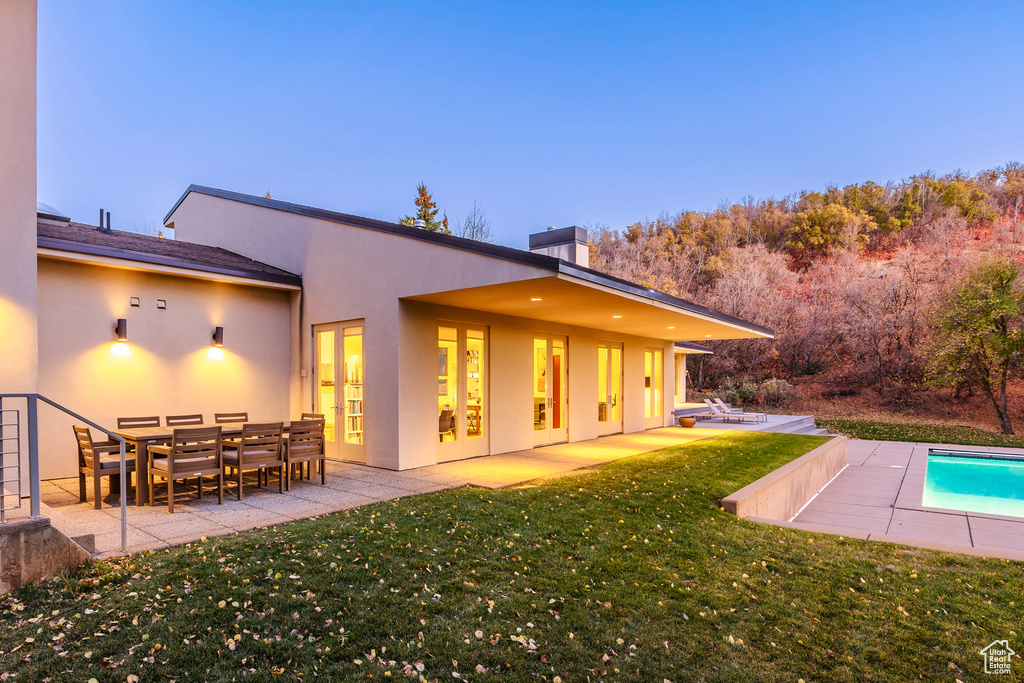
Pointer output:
x,y
563,298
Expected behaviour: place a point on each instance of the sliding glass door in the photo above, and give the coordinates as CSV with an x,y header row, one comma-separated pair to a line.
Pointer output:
x,y
550,395
338,388
462,396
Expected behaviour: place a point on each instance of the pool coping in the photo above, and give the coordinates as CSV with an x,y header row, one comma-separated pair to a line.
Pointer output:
x,y
879,497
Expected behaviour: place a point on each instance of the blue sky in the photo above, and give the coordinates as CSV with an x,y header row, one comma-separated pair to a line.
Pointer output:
x,y
544,113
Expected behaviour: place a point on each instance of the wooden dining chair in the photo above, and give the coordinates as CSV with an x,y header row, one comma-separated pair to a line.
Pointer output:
x,y
312,416
185,420
259,448
303,447
138,422
191,453
92,464
225,418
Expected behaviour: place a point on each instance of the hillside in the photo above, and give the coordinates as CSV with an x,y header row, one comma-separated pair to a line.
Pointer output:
x,y
850,278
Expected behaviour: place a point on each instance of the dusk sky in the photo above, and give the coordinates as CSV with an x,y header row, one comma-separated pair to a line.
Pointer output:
x,y
544,113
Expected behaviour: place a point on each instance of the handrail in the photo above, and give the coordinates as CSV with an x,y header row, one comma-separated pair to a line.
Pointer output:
x,y
33,457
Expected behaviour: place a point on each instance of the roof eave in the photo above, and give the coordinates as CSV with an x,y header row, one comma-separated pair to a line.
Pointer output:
x,y
168,261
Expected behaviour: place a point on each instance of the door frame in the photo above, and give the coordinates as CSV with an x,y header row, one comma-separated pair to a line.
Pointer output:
x,y
337,448
463,446
606,427
551,435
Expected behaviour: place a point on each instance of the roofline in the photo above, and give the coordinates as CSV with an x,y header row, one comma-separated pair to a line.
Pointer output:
x,y
600,278
528,258
485,248
167,261
692,348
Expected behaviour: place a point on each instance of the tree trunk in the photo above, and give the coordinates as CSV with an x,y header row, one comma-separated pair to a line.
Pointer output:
x,y
1004,413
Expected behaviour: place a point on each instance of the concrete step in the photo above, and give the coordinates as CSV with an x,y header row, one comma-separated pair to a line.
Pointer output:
x,y
798,425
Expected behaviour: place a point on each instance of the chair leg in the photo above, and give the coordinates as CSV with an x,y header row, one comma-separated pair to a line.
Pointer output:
x,y
240,483
220,488
152,489
82,497
323,471
199,485
280,479
170,495
288,479
97,496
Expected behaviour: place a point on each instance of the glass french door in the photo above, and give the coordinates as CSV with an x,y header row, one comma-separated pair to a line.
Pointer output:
x,y
462,396
338,393
609,388
654,366
550,372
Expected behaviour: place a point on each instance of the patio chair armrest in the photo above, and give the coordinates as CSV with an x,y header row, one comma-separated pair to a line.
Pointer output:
x,y
107,447
160,450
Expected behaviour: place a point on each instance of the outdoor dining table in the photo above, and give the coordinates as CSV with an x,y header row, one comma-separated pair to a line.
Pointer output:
x,y
144,437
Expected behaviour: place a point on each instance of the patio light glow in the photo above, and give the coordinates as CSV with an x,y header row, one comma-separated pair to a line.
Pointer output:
x,y
120,347
215,352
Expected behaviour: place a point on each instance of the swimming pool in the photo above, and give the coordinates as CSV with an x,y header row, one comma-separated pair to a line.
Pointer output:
x,y
975,482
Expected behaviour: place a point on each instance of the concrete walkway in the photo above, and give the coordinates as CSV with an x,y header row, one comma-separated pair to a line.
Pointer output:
x,y
348,486
878,497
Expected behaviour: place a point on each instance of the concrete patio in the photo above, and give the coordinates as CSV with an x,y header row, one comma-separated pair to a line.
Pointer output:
x,y
348,486
878,497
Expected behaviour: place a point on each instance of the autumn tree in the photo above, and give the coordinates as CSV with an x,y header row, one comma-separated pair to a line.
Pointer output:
x,y
475,225
426,210
980,337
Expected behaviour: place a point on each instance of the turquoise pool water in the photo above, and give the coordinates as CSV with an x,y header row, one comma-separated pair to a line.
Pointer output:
x,y
987,485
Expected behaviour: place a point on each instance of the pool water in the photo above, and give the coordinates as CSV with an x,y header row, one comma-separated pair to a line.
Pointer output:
x,y
991,485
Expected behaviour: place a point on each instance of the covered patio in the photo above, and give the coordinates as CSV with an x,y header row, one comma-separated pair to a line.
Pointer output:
x,y
348,485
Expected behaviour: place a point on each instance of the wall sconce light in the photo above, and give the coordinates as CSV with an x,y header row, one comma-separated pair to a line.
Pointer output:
x,y
215,352
120,347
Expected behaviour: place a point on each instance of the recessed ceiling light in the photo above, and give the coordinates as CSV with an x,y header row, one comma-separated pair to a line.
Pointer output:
x,y
536,298
671,327
707,335
616,316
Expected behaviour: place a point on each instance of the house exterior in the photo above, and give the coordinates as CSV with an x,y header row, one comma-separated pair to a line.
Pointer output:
x,y
417,347
425,347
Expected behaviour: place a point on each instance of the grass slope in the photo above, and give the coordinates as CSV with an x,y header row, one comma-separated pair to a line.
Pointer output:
x,y
628,572
890,431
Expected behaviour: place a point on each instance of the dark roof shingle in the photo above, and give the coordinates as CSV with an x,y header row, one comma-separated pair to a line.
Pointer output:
x,y
87,239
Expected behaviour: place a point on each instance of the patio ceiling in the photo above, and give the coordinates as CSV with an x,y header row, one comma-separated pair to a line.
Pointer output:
x,y
570,300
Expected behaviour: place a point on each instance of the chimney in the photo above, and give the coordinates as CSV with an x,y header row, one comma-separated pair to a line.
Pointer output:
x,y
419,223
568,244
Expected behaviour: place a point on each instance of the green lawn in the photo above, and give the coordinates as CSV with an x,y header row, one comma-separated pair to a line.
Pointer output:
x,y
627,572
889,431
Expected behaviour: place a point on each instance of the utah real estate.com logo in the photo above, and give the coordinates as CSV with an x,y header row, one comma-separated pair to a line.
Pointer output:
x,y
997,657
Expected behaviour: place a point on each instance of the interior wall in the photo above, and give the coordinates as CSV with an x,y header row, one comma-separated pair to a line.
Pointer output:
x,y
167,371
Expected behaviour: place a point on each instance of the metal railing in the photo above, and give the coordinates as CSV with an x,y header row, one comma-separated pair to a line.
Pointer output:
x,y
32,424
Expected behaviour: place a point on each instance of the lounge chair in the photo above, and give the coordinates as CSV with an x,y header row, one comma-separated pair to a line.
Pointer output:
x,y
718,413
725,408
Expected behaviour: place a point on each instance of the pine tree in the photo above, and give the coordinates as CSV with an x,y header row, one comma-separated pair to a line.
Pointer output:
x,y
426,210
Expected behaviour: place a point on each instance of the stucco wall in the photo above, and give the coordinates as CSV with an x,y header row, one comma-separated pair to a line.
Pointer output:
x,y
168,371
510,415
18,196
348,273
